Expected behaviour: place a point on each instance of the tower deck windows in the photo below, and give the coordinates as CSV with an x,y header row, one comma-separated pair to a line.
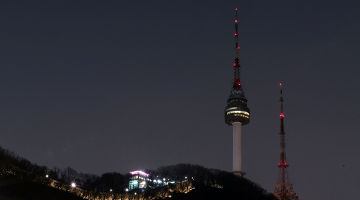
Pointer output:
x,y
236,109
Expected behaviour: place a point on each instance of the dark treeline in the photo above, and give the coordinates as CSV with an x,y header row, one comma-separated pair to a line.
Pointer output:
x,y
235,187
33,191
10,162
116,183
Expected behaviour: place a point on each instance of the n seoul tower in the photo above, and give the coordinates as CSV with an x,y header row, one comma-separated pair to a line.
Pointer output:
x,y
236,112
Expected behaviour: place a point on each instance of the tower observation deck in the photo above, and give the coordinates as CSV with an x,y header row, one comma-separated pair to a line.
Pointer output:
x,y
236,112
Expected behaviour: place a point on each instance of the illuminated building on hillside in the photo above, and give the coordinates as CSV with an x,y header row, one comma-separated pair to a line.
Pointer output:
x,y
138,180
141,180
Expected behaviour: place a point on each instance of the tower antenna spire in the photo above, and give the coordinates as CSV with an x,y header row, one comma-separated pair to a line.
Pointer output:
x,y
283,187
237,83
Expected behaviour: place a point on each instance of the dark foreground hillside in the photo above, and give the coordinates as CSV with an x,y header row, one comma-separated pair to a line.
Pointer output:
x,y
13,189
22,180
203,192
210,193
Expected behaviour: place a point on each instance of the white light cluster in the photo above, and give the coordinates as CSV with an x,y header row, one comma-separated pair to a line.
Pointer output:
x,y
237,112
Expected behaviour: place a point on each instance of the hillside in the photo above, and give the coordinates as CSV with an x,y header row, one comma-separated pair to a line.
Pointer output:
x,y
20,179
13,188
203,192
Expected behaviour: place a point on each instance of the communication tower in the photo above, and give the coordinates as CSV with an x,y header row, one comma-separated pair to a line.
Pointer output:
x,y
283,187
236,112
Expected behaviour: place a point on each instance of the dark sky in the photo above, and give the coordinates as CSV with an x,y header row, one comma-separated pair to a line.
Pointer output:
x,y
105,86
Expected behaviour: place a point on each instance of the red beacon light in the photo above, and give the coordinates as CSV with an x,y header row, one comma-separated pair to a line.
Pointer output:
x,y
282,115
283,164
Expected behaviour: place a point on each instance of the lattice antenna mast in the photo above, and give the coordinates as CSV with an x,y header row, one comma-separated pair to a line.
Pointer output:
x,y
282,133
283,187
237,83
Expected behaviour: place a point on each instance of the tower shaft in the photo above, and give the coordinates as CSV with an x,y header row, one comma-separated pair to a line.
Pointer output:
x,y
283,187
237,148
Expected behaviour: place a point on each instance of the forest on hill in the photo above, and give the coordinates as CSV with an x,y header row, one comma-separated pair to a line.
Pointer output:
x,y
39,182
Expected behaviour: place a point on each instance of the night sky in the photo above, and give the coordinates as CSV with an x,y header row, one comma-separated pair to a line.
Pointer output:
x,y
105,86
